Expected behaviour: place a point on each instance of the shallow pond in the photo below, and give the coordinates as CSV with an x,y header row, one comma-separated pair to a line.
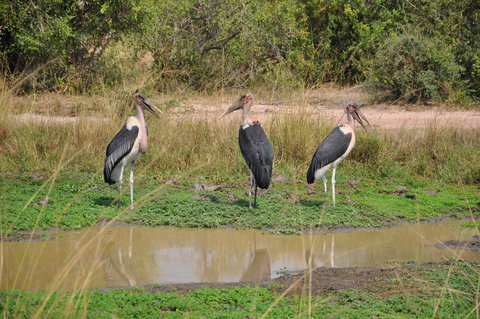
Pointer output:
x,y
138,255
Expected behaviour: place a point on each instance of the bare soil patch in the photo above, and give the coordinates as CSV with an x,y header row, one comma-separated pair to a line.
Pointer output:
x,y
29,235
326,102
53,119
473,244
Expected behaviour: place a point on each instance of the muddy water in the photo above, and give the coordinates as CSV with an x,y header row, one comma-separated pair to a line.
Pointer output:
x,y
137,255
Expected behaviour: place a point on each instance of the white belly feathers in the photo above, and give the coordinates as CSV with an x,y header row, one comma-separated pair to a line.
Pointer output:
x,y
141,141
345,129
136,151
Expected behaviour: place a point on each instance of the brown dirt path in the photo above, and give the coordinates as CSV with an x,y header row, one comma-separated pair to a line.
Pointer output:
x,y
326,102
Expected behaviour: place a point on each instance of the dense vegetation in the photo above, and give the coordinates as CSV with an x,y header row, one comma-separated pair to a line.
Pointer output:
x,y
200,44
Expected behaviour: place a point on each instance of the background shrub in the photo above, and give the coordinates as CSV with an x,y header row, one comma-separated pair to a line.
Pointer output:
x,y
215,44
414,68
66,39
211,44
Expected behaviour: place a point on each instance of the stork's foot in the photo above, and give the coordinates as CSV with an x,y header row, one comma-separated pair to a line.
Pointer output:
x,y
131,206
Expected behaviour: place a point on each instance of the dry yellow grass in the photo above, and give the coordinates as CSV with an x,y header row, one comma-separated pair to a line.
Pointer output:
x,y
192,138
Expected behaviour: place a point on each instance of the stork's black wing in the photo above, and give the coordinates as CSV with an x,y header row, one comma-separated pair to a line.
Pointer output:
x,y
257,152
118,148
333,146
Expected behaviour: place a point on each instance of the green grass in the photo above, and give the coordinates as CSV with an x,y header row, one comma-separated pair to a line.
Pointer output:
x,y
472,224
442,291
82,199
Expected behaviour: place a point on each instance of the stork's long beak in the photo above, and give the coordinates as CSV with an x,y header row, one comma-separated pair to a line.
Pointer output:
x,y
152,108
358,116
236,106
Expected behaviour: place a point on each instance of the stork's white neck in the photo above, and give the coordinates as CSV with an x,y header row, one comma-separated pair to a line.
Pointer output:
x,y
246,115
140,116
351,121
247,122
143,143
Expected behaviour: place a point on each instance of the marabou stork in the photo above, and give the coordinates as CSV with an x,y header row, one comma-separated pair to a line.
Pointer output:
x,y
254,145
335,147
128,145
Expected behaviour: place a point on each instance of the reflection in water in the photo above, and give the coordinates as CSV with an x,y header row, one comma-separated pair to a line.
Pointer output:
x,y
259,267
258,264
332,252
138,255
323,257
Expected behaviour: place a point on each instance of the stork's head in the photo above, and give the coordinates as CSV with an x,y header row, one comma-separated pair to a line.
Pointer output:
x,y
354,113
244,102
142,101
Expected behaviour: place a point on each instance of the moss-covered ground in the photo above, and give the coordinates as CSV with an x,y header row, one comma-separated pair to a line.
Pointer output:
x,y
82,199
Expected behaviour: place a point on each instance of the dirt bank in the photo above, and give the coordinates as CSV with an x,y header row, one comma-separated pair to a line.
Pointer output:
x,y
473,244
324,280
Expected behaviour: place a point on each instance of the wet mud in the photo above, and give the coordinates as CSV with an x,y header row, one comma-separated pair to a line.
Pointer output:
x,y
473,244
324,280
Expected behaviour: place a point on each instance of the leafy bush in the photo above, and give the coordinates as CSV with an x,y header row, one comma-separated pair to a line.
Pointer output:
x,y
414,68
455,23
205,44
214,44
346,34
72,34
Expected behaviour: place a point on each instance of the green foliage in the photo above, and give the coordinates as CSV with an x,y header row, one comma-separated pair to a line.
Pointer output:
x,y
414,68
472,224
204,44
346,35
66,39
454,24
